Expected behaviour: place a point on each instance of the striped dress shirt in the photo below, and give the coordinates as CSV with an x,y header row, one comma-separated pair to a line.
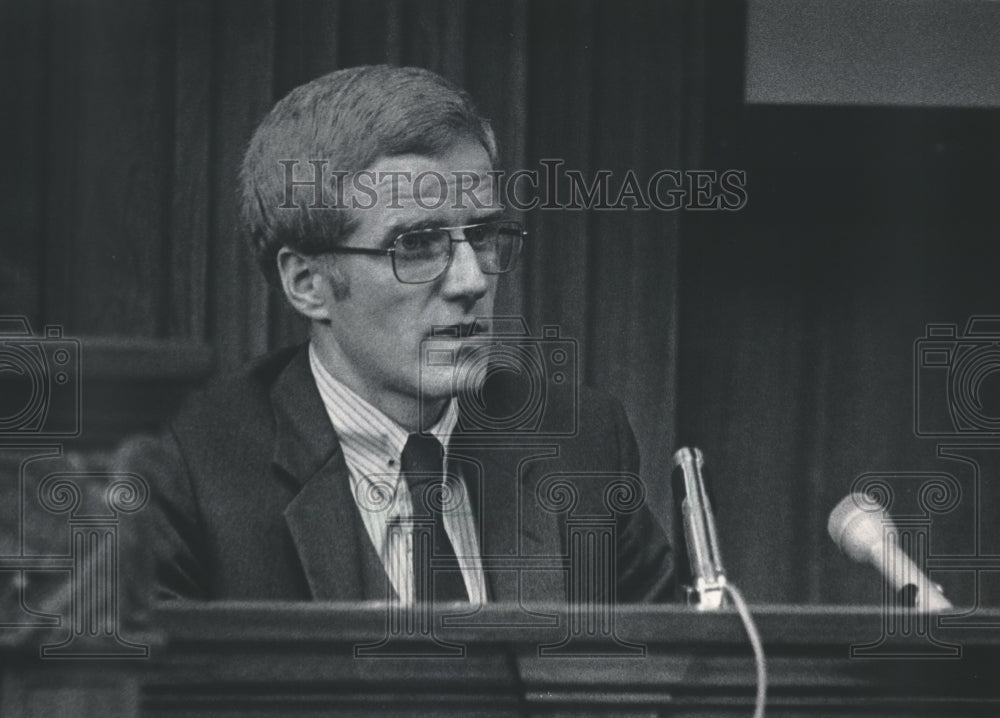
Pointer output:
x,y
373,445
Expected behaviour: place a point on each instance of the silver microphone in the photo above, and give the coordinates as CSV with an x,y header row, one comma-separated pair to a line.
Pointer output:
x,y
867,534
707,576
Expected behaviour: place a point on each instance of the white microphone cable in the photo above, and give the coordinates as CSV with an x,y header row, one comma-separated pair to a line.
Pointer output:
x,y
709,578
758,646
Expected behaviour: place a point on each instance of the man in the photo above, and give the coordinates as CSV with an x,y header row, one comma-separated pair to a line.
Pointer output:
x,y
369,199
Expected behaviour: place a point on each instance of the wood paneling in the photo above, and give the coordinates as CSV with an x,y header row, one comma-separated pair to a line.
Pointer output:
x,y
23,39
300,660
632,313
242,92
190,231
108,139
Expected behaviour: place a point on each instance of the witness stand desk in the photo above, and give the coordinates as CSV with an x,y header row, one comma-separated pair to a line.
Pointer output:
x,y
307,659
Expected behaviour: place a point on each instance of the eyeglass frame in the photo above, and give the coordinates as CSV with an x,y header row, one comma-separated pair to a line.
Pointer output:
x,y
391,251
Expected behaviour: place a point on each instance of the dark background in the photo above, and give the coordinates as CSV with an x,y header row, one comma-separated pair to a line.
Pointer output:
x,y
779,338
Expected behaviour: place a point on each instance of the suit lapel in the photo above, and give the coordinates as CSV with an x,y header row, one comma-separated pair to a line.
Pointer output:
x,y
337,555
501,480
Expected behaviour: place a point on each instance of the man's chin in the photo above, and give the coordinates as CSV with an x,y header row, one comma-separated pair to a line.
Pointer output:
x,y
439,384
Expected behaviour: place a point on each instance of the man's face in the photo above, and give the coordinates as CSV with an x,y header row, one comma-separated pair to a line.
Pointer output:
x,y
376,330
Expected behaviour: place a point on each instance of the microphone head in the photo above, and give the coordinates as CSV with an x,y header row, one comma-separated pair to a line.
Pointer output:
x,y
857,525
865,532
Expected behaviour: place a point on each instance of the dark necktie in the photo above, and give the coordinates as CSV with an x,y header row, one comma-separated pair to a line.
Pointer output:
x,y
422,467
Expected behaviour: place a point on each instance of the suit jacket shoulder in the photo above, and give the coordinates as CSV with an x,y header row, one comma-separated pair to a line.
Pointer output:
x,y
216,516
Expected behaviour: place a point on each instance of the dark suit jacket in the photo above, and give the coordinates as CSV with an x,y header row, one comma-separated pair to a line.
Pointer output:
x,y
252,500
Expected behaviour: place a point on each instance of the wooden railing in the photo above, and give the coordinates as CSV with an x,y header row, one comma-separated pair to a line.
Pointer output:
x,y
228,659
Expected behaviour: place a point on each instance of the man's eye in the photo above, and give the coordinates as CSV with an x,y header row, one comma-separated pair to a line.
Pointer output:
x,y
415,242
478,236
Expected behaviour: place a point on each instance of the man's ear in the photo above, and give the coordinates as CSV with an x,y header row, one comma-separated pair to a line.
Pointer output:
x,y
307,288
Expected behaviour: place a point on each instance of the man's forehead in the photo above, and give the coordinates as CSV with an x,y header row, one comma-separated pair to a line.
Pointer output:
x,y
457,180
466,156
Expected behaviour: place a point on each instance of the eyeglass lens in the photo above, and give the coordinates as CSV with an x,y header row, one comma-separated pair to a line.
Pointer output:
x,y
423,255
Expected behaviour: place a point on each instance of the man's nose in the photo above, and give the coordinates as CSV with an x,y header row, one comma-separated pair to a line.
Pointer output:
x,y
464,277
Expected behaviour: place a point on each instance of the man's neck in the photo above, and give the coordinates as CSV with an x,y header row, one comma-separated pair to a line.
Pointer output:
x,y
411,416
411,413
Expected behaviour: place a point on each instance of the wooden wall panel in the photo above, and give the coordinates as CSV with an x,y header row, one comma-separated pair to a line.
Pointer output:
x,y
62,136
308,39
190,231
632,284
560,117
243,44
605,96
369,32
109,116
433,35
23,55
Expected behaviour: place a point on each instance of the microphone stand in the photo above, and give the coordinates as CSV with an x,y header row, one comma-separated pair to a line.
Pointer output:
x,y
707,576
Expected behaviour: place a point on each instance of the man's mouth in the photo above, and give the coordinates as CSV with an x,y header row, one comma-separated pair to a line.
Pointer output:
x,y
461,330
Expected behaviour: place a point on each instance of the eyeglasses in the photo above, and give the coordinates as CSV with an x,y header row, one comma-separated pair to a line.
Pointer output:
x,y
423,255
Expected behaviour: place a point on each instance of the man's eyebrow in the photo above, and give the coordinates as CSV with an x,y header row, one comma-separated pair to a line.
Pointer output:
x,y
491,216
398,228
